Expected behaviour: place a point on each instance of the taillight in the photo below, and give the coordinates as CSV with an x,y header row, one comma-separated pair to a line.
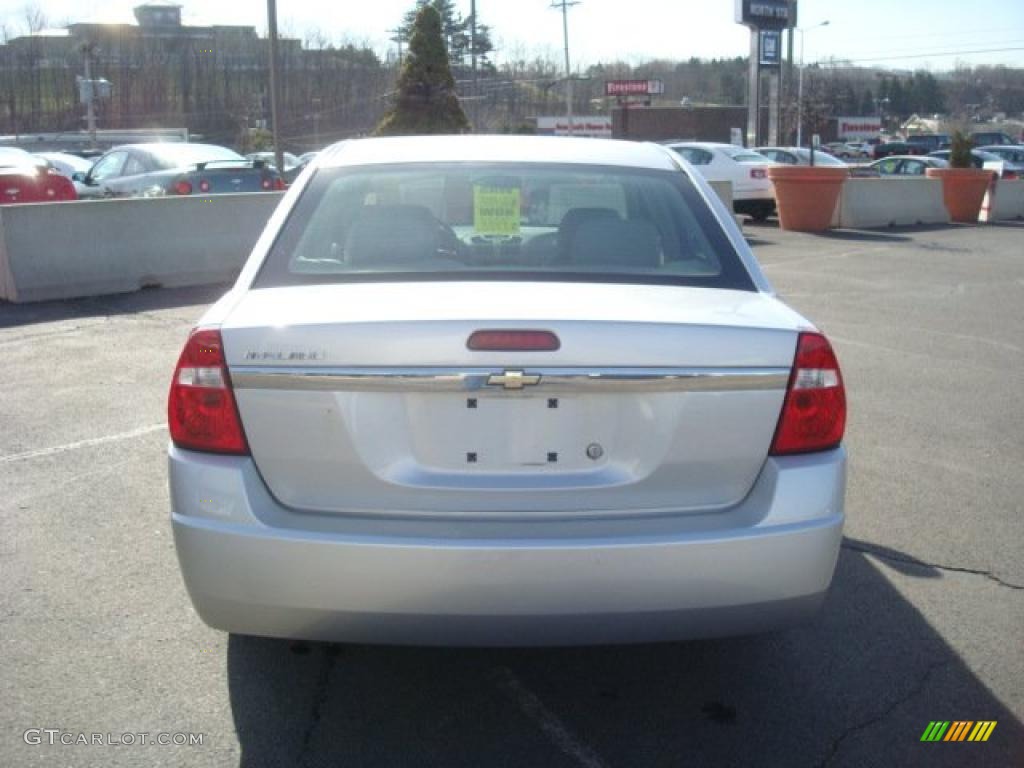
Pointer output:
x,y
279,184
513,341
758,173
267,183
204,186
1010,175
182,188
201,410
814,412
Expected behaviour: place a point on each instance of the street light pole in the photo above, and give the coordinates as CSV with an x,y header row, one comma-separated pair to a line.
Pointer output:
x,y
272,31
800,85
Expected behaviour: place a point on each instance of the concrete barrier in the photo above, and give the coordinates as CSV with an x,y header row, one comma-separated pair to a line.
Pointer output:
x,y
1004,200
88,248
724,191
867,203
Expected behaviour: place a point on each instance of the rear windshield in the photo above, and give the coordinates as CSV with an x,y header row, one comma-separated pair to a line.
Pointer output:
x,y
478,222
823,158
749,157
742,155
11,157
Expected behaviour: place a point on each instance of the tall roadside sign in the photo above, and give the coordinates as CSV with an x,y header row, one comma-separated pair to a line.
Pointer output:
x,y
766,20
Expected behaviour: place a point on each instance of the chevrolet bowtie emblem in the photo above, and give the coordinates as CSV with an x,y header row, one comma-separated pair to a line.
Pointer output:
x,y
512,380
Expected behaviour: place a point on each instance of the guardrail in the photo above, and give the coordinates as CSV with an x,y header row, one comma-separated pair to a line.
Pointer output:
x,y
89,248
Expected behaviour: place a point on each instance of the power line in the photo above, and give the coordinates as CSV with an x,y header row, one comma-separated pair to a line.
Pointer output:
x,y
931,55
932,35
938,48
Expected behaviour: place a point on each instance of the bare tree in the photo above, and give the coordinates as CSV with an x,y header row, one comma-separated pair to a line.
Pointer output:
x,y
35,19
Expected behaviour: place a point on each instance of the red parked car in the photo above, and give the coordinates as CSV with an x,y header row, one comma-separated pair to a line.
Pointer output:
x,y
24,179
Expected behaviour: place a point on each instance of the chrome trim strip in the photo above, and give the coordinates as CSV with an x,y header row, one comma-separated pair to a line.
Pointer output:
x,y
597,380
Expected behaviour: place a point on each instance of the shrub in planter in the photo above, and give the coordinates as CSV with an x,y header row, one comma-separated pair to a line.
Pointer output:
x,y
963,186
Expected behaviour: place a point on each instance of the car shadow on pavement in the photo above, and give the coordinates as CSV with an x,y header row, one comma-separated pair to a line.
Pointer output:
x,y
855,687
145,300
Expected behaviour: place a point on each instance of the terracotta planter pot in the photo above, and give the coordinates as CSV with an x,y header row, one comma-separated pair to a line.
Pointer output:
x,y
963,190
806,196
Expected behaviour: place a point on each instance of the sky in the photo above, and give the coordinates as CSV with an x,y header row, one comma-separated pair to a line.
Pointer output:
x,y
904,34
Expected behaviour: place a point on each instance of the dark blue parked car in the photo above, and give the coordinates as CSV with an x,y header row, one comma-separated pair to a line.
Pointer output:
x,y
154,170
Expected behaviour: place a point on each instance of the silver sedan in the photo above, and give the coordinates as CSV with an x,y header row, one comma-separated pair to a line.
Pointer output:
x,y
505,391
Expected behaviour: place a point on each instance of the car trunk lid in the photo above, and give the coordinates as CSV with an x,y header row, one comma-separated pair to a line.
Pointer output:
x,y
364,398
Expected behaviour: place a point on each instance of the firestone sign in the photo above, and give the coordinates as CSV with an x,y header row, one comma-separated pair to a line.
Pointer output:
x,y
858,127
633,87
766,14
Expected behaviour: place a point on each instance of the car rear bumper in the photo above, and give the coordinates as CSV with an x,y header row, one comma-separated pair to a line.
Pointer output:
x,y
758,191
253,567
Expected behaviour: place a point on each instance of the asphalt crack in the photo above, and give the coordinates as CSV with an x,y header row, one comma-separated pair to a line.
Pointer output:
x,y
914,691
895,557
321,691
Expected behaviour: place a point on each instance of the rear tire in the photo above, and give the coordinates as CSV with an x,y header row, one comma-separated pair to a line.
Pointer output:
x,y
760,213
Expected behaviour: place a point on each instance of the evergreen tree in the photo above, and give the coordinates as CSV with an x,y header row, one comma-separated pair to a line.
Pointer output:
x,y
426,100
867,103
898,99
456,31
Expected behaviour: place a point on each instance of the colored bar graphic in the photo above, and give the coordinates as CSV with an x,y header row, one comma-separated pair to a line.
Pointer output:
x,y
935,730
982,730
958,730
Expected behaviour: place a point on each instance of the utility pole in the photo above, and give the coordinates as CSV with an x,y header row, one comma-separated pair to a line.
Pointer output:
x,y
90,104
565,5
316,121
472,58
272,31
90,109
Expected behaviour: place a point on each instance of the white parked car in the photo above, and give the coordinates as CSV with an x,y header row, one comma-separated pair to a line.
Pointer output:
x,y
799,156
69,165
752,193
1012,157
504,390
902,165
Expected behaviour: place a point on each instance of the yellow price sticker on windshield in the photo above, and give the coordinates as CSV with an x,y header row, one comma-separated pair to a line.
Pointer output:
x,y
496,210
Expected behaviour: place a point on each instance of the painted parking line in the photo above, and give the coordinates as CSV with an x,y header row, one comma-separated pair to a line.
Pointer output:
x,y
40,452
548,721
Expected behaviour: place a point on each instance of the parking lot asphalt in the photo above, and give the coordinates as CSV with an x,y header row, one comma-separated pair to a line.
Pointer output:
x,y
924,621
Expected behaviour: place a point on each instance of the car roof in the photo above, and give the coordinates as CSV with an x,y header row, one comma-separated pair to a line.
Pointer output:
x,y
719,145
147,146
497,149
944,153
932,155
14,152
